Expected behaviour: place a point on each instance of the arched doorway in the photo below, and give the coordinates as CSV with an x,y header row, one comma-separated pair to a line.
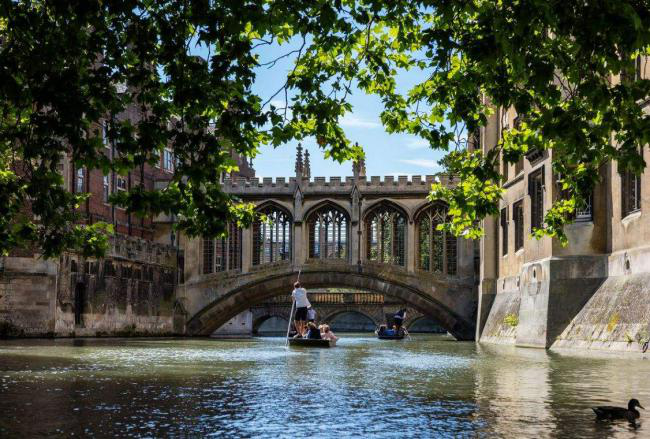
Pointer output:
x,y
351,321
269,326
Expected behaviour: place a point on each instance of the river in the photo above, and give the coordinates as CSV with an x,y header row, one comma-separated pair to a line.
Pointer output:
x,y
430,386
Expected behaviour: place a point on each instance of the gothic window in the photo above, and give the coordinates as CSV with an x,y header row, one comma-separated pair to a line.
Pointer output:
x,y
328,233
504,231
536,192
223,254
518,218
519,166
630,192
437,249
272,238
386,235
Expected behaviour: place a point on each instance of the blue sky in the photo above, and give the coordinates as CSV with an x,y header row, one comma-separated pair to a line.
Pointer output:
x,y
386,154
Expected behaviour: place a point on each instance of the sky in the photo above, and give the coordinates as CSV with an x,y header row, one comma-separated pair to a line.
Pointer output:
x,y
386,154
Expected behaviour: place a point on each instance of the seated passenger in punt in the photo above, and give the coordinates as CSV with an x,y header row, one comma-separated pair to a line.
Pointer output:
x,y
313,332
326,333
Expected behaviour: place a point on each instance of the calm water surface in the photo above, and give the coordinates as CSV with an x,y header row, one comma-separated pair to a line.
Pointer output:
x,y
428,387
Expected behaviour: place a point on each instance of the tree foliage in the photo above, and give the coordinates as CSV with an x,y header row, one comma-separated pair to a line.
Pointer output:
x,y
68,67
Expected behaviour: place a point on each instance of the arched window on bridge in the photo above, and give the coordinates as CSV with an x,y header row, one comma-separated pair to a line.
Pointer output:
x,y
436,248
328,233
386,235
272,238
223,254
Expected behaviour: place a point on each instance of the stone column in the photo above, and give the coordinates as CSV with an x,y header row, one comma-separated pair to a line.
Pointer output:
x,y
410,247
246,249
299,252
489,267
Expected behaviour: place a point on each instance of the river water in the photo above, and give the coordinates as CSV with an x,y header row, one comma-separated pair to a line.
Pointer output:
x,y
430,386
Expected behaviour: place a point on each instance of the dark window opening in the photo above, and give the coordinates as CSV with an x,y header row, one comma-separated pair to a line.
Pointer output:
x,y
518,218
536,193
630,192
504,231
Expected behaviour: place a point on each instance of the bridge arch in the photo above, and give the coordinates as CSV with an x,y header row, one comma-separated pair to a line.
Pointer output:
x,y
441,300
257,323
332,316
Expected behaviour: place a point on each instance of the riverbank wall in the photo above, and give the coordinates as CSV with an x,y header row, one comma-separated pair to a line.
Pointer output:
x,y
583,303
129,292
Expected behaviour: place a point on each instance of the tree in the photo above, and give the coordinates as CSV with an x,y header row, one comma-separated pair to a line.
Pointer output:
x,y
67,68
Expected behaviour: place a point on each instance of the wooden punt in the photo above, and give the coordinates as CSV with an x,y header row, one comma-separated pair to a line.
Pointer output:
x,y
311,343
391,337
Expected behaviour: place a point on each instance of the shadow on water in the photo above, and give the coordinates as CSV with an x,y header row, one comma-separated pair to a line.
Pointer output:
x,y
364,387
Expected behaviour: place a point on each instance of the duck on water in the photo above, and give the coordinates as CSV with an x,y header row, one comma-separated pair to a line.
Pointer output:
x,y
612,413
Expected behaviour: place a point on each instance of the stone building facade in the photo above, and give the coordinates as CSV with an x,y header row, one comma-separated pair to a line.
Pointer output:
x,y
593,293
132,290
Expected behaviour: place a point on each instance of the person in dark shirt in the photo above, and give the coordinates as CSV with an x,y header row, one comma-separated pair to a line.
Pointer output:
x,y
312,331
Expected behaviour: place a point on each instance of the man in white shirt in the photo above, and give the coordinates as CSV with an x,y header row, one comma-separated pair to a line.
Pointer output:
x,y
299,295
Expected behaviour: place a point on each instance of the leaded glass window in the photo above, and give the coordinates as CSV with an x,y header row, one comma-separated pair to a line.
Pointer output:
x,y
272,237
328,233
437,249
223,254
386,235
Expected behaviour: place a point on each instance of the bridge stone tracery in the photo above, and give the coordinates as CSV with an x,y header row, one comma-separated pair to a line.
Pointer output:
x,y
270,261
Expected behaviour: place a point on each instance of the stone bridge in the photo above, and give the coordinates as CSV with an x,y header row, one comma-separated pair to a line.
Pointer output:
x,y
356,234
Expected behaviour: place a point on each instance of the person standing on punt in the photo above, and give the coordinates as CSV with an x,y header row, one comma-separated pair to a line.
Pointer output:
x,y
299,295
398,319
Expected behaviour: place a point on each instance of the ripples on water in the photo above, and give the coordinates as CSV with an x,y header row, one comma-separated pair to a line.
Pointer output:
x,y
428,387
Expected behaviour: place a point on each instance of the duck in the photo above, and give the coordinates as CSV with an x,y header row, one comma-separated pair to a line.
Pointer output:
x,y
609,412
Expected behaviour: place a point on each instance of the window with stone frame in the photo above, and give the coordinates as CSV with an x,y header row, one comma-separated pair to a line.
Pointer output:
x,y
536,193
328,233
223,254
168,160
80,181
437,249
518,219
386,235
519,166
630,192
504,231
106,189
272,237
208,255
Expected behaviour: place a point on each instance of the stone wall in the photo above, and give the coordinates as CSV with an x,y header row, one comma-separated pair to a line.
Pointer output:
x,y
130,292
617,317
27,296
534,308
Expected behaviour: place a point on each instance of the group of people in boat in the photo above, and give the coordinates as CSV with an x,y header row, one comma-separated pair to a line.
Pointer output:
x,y
305,318
397,330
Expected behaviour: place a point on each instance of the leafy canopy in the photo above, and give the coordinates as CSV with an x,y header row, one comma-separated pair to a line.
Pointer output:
x,y
68,67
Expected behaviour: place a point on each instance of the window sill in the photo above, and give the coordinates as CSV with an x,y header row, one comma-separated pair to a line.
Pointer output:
x,y
630,217
514,180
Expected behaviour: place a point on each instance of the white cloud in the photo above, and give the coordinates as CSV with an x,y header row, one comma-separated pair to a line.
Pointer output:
x,y
351,121
422,163
417,143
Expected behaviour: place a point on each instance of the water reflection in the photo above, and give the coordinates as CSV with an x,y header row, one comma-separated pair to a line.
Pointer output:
x,y
430,386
